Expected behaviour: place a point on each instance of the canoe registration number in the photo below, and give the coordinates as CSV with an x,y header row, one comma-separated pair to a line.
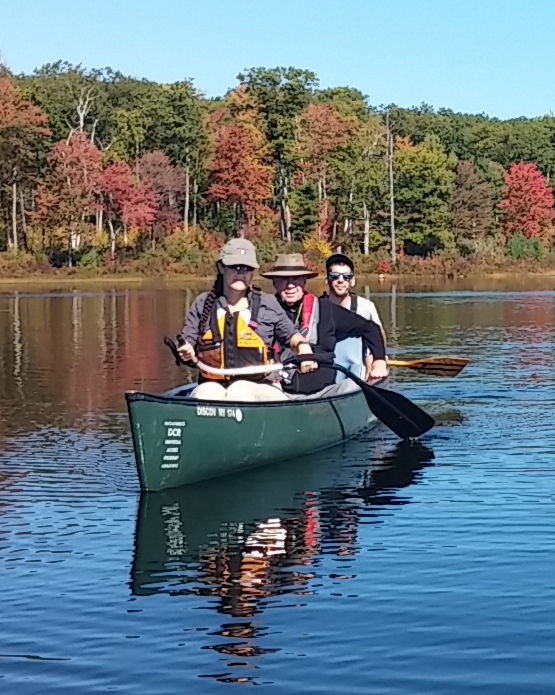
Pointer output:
x,y
217,411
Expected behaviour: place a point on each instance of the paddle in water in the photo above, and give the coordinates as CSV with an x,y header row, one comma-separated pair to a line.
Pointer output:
x,y
394,410
433,366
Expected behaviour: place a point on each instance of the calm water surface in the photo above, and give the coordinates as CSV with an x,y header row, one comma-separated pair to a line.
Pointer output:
x,y
369,568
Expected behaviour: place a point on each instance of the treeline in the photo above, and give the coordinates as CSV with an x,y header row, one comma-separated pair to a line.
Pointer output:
x,y
98,169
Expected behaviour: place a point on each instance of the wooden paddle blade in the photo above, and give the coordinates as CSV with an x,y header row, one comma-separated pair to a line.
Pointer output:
x,y
397,412
434,366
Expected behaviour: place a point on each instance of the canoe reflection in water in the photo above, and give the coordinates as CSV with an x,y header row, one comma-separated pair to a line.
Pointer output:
x,y
249,537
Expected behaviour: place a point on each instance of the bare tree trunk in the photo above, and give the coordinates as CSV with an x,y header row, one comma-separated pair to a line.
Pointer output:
x,y
77,234
23,220
288,221
125,237
112,239
347,227
187,200
99,218
70,247
14,215
195,203
93,130
391,194
334,230
284,211
83,106
366,229
282,221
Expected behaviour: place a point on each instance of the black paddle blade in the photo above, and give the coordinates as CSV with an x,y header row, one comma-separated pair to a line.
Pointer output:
x,y
397,412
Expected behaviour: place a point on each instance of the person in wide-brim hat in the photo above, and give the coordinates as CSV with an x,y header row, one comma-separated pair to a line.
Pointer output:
x,y
322,323
289,265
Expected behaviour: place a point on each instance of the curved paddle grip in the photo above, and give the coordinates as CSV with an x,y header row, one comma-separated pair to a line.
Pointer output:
x,y
295,360
173,347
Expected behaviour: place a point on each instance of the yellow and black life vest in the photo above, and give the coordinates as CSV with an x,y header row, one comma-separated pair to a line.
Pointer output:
x,y
231,342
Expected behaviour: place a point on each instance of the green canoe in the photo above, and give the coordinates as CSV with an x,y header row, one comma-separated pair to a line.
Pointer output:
x,y
179,441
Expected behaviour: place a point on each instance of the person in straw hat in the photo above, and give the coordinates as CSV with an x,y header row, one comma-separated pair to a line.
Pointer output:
x,y
322,323
237,325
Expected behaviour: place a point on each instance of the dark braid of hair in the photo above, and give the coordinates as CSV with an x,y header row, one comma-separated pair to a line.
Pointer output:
x,y
216,291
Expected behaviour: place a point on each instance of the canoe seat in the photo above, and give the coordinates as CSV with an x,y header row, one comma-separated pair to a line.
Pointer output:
x,y
338,389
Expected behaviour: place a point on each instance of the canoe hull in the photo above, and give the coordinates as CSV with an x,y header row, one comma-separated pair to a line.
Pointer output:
x,y
178,441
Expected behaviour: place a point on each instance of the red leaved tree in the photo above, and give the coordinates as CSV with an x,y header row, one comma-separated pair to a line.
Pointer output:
x,y
321,133
68,198
527,203
22,130
128,202
168,182
240,175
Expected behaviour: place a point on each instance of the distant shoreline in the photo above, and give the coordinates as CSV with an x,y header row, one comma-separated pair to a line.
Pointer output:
x,y
507,279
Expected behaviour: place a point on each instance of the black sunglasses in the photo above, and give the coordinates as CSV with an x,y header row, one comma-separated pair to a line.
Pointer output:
x,y
346,276
240,268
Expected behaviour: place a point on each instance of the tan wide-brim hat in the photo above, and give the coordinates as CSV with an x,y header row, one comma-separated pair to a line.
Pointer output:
x,y
289,265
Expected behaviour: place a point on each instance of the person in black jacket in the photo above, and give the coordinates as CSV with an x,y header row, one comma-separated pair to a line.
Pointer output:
x,y
322,323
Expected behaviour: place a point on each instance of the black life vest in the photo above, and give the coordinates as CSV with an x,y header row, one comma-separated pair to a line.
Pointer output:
x,y
354,301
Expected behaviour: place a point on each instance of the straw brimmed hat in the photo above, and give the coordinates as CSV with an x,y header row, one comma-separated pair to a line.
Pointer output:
x,y
289,265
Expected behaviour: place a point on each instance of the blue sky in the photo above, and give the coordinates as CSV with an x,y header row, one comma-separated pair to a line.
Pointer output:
x,y
491,56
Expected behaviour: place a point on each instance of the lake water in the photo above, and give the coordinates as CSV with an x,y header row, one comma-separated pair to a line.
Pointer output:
x,y
368,568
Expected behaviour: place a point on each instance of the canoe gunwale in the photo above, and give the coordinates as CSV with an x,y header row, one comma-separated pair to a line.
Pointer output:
x,y
131,396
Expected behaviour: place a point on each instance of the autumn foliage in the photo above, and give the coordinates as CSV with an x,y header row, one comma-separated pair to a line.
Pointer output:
x,y
19,114
321,132
527,203
126,197
70,191
239,172
107,171
167,181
